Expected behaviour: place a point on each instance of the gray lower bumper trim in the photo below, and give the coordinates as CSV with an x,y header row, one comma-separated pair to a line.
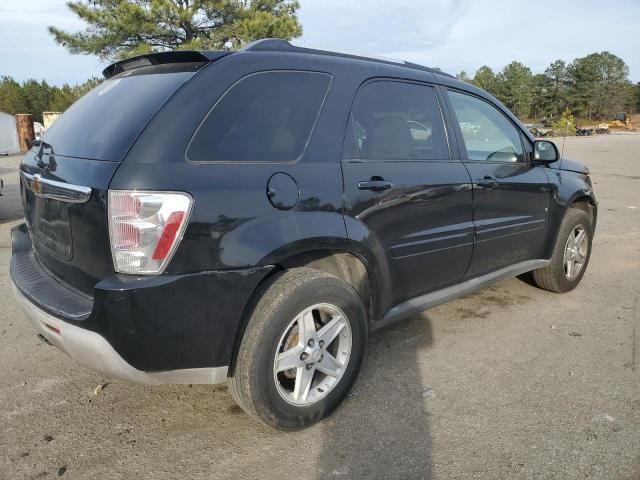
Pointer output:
x,y
93,351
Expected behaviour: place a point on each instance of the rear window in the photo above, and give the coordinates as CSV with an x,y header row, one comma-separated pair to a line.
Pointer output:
x,y
104,123
265,117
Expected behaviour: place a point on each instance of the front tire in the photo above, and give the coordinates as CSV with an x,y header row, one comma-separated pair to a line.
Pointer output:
x,y
571,254
301,351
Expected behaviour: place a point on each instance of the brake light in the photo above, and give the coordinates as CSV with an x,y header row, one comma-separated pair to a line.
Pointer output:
x,y
145,228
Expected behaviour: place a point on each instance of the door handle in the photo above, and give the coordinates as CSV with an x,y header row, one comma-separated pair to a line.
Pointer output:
x,y
375,185
487,182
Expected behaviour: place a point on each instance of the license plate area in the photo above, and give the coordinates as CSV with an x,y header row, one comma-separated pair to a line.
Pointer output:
x,y
50,225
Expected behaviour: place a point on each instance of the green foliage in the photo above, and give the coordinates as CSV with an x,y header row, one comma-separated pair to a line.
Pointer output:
x,y
124,28
553,95
485,79
36,97
594,87
12,98
599,85
514,88
463,76
565,125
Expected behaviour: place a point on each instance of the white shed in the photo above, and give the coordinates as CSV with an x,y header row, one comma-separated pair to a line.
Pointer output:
x,y
8,134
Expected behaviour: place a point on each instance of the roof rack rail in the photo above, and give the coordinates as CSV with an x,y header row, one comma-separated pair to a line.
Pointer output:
x,y
279,45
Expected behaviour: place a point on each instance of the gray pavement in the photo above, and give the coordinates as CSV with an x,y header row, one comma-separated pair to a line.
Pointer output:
x,y
511,382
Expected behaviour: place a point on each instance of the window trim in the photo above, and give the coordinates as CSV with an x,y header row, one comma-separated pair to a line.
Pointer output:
x,y
464,154
260,162
350,122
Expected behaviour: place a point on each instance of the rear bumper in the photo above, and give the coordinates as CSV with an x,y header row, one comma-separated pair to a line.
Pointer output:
x,y
92,350
155,329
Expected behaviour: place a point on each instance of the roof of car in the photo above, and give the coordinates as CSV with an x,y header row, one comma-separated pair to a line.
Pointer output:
x,y
265,45
279,45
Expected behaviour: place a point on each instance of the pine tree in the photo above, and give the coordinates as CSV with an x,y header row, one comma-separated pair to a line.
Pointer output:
x,y
123,28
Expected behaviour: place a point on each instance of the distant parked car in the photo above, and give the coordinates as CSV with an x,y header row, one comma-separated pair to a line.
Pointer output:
x,y
250,217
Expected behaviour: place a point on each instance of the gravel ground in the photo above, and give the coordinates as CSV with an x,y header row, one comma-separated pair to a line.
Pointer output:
x,y
511,382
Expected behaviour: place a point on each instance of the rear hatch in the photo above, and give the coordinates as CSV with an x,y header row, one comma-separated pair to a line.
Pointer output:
x,y
64,180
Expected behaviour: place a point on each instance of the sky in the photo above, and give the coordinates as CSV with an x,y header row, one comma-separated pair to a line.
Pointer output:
x,y
453,35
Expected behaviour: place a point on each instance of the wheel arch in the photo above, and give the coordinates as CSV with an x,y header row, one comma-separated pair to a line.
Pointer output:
x,y
343,264
588,204
579,200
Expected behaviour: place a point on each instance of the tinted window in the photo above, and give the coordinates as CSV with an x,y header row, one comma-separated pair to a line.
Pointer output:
x,y
487,134
396,121
265,117
105,122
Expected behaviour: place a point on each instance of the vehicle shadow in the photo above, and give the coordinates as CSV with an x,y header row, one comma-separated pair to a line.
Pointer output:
x,y
382,428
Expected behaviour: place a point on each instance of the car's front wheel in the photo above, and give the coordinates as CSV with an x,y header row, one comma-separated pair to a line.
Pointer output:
x,y
301,351
571,254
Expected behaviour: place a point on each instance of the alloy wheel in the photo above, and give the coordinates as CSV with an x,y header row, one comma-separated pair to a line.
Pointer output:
x,y
312,355
575,252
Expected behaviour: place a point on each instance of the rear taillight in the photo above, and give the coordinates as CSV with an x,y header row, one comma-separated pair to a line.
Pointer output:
x,y
145,228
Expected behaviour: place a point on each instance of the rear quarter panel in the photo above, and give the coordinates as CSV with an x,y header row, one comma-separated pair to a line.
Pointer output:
x,y
233,224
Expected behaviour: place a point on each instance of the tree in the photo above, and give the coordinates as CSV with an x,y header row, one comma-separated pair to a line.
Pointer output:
x,y
123,28
515,88
599,85
565,125
38,96
463,76
62,98
485,79
12,99
84,88
555,96
540,106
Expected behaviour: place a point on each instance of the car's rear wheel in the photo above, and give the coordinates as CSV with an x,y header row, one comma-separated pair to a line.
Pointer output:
x,y
301,351
571,254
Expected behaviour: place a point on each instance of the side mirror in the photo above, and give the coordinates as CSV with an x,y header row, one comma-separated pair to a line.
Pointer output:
x,y
545,152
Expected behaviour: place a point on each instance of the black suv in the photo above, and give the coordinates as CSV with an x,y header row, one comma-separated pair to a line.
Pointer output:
x,y
250,217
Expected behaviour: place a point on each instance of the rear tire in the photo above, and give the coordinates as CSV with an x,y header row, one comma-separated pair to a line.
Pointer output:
x,y
283,363
571,254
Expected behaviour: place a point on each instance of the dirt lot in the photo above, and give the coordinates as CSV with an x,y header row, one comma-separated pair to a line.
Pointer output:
x,y
511,382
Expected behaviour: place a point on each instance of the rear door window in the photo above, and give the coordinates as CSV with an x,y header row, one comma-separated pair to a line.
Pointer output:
x,y
104,123
265,117
396,121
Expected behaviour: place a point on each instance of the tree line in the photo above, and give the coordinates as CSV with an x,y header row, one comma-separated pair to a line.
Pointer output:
x,y
35,97
118,29
594,87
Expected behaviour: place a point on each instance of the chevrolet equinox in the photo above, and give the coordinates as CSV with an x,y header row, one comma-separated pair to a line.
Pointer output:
x,y
250,217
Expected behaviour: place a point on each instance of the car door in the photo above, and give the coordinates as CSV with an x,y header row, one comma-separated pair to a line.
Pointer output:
x,y
405,187
510,195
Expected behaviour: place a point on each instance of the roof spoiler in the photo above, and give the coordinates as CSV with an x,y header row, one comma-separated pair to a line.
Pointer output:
x,y
180,56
